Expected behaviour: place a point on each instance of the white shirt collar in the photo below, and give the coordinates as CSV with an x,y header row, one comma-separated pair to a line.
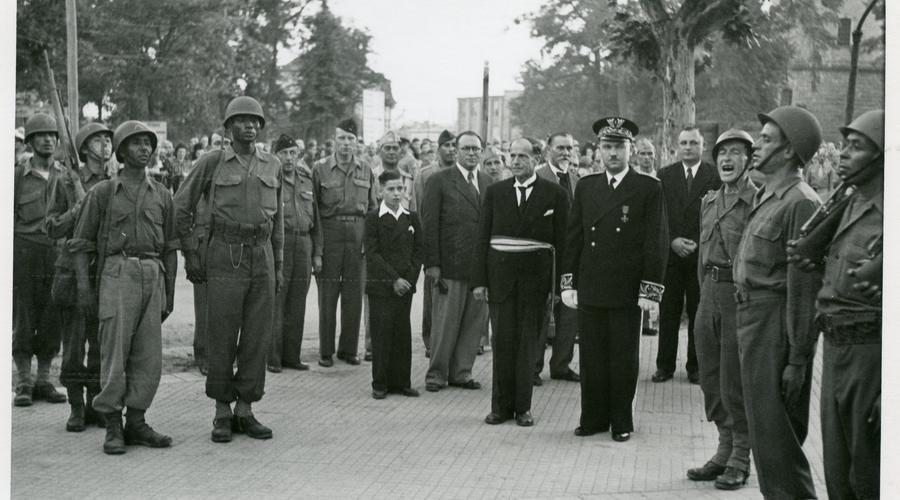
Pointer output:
x,y
529,182
555,169
387,210
465,173
618,177
693,168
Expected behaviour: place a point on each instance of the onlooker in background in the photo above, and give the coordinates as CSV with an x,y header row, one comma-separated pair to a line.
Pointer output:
x,y
820,173
20,147
204,142
196,153
179,167
597,163
414,147
585,167
312,152
215,141
646,164
408,162
327,149
426,154
492,163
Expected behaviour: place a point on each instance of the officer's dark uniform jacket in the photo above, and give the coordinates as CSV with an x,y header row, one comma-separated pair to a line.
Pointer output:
x,y
301,213
721,230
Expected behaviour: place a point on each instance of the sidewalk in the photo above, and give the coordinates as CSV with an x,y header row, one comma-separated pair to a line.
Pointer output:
x,y
333,440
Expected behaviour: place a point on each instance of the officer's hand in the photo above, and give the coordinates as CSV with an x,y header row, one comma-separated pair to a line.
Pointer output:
x,y
433,273
681,247
317,264
165,314
647,305
869,290
798,260
480,293
401,286
570,298
193,268
87,300
792,379
874,418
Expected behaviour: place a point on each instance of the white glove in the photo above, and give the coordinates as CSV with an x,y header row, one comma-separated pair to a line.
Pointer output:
x,y
652,308
570,298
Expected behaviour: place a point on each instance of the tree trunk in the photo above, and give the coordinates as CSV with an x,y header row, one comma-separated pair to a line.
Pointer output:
x,y
679,107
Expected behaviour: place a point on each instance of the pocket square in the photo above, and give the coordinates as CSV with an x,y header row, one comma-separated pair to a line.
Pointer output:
x,y
548,212
412,230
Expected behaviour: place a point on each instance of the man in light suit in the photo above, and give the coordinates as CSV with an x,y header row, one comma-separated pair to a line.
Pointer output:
x,y
451,210
561,152
523,229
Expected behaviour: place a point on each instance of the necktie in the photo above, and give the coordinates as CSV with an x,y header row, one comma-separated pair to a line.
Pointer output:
x,y
563,180
612,183
472,183
522,199
689,180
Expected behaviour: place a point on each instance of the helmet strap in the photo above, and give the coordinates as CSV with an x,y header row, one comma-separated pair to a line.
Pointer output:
x,y
768,158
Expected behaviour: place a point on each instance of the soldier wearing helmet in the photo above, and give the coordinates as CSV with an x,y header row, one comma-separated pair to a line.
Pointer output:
x,y
129,224
36,322
775,311
241,263
723,214
93,142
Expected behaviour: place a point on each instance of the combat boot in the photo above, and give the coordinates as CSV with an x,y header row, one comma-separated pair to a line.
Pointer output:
x,y
92,416
115,439
23,395
137,432
76,415
47,392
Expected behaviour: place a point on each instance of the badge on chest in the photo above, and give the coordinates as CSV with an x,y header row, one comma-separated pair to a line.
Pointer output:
x,y
624,217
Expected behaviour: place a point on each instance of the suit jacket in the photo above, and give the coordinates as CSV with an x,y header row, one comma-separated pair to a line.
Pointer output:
x,y
451,212
616,239
393,250
544,172
683,208
544,219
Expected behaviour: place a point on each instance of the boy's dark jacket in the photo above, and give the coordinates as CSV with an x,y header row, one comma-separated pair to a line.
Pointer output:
x,y
394,249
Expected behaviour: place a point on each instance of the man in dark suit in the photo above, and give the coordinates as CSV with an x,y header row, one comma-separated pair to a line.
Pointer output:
x,y
616,250
523,227
451,210
561,152
684,183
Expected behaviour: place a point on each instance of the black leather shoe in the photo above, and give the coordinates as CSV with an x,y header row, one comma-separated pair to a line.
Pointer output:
x,y
299,365
367,356
409,392
379,394
221,432
571,376
350,359
326,362
621,437
47,392
582,432
480,350
470,384
273,368
524,419
537,381
694,378
661,376
144,435
496,418
433,387
203,367
732,479
709,472
251,427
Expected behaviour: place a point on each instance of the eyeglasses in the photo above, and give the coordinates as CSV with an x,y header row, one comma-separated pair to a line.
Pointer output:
x,y
470,149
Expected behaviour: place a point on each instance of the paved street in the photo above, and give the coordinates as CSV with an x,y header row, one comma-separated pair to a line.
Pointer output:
x,y
333,440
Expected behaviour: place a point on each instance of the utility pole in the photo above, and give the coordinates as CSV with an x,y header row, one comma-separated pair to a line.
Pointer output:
x,y
854,63
72,64
485,103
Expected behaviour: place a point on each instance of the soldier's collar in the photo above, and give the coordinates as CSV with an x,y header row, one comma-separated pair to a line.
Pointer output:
x,y
258,153
28,168
789,181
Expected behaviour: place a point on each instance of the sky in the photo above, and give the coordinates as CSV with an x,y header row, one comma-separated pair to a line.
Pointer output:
x,y
433,51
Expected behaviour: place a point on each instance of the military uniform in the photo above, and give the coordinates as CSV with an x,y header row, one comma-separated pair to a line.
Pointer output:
x,y
344,195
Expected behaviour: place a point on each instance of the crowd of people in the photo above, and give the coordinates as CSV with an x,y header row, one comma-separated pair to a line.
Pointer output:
x,y
535,241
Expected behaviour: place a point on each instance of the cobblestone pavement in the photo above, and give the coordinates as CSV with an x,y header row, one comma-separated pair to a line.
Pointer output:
x,y
333,440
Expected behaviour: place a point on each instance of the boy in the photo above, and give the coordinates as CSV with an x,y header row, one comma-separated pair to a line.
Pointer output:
x,y
393,243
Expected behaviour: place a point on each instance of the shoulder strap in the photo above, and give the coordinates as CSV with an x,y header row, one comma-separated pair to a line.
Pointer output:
x,y
105,221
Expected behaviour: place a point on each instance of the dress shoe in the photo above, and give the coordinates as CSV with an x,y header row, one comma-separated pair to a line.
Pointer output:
x,y
524,419
583,432
694,378
480,350
221,432
496,418
273,368
537,381
350,359
621,437
470,384
47,392
570,375
326,362
432,387
114,443
409,392
203,367
661,376
251,427
23,396
379,394
299,365
144,435
709,472
367,356
650,332
427,353
732,479
75,423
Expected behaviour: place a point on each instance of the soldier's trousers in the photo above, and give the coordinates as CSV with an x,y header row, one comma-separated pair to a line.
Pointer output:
x,y
36,323
341,277
240,296
563,343
391,341
458,321
608,350
80,368
777,431
132,297
200,329
290,304
720,373
851,383
516,324
682,295
427,290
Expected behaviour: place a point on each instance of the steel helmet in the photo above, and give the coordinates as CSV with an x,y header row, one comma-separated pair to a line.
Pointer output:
x,y
869,124
244,105
732,134
85,133
799,126
40,123
128,129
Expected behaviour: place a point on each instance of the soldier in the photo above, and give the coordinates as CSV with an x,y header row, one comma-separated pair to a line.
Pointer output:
x,y
850,320
302,255
241,263
775,311
129,222
723,216
344,191
613,265
36,323
93,142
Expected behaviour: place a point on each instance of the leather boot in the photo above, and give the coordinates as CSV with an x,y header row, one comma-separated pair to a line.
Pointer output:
x,y
92,416
137,432
115,438
76,415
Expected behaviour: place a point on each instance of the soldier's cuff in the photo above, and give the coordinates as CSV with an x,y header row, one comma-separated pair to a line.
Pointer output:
x,y
651,291
190,243
78,245
566,282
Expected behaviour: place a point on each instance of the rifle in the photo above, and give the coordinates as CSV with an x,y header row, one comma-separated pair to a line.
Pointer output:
x,y
67,144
